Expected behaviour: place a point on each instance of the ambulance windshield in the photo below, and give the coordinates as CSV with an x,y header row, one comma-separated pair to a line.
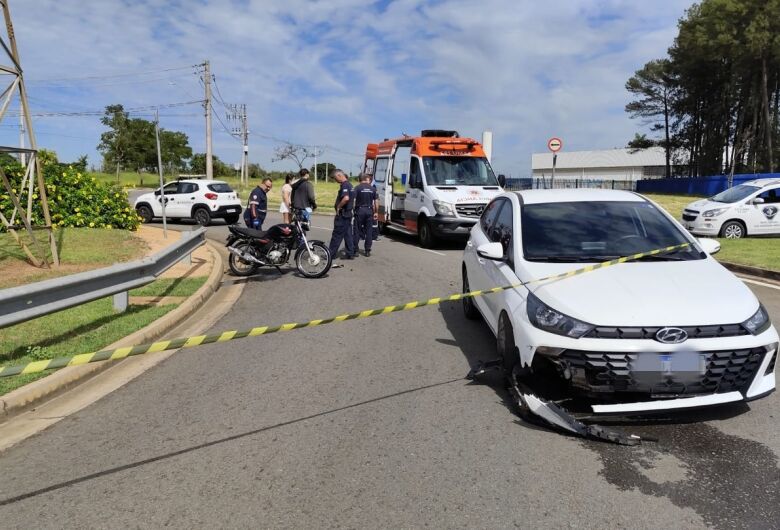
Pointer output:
x,y
458,171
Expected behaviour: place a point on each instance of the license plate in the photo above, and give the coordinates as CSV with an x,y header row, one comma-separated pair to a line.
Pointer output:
x,y
230,210
680,366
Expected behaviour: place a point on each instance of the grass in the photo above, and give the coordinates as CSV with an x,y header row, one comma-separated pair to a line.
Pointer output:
x,y
81,329
79,249
171,287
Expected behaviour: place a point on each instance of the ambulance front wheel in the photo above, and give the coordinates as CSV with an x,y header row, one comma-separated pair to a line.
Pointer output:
x,y
425,233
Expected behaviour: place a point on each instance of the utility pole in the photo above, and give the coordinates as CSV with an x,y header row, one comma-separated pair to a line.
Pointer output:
x,y
160,171
315,164
245,137
207,106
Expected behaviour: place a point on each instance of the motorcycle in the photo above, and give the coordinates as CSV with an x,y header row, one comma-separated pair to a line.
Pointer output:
x,y
251,249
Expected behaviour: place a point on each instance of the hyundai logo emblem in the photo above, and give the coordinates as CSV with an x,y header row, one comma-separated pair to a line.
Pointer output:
x,y
671,335
479,210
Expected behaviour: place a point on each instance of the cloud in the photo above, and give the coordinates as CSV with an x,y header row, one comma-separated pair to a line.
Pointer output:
x,y
346,72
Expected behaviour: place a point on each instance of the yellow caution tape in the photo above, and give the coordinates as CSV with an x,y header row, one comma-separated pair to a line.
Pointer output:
x,y
190,342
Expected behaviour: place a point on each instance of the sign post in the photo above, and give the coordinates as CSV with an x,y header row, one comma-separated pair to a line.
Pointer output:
x,y
554,145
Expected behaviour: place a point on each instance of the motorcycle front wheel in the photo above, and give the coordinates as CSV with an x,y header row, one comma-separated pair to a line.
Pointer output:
x,y
315,262
238,266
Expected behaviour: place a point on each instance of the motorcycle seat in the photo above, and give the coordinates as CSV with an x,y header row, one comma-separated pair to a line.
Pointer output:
x,y
249,232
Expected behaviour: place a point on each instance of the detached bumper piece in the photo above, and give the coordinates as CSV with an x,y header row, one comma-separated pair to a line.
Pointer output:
x,y
532,407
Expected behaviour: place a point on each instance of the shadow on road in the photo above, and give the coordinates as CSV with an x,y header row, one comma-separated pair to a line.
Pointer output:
x,y
190,449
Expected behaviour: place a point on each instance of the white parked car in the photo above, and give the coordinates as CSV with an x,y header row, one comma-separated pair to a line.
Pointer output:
x,y
670,331
752,208
201,200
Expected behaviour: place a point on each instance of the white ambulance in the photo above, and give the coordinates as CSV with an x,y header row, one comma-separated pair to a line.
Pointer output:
x,y
434,186
749,209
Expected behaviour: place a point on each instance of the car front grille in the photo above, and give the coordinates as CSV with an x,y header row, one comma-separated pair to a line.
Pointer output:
x,y
604,372
470,210
690,215
694,332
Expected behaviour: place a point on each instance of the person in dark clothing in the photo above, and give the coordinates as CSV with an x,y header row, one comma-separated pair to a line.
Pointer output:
x,y
257,208
365,212
303,198
375,224
342,224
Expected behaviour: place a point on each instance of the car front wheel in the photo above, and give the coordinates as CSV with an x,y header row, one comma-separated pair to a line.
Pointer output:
x,y
145,213
505,343
732,230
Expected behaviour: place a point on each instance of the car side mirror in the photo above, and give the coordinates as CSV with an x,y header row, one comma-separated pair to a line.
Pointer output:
x,y
157,192
493,251
710,246
502,181
758,200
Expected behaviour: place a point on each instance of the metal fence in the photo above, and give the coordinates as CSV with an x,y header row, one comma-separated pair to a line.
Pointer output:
x,y
19,304
540,183
704,186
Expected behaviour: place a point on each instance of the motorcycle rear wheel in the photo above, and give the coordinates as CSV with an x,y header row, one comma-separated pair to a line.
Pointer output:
x,y
238,266
315,264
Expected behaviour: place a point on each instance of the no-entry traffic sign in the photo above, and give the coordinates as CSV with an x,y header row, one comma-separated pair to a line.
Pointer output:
x,y
554,144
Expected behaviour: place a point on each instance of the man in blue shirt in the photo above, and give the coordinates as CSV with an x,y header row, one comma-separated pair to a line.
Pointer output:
x,y
342,224
365,212
257,208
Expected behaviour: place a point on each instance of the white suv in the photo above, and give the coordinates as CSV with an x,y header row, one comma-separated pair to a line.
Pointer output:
x,y
673,330
752,208
201,200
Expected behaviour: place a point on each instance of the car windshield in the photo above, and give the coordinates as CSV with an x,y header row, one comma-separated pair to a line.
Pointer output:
x,y
220,187
458,171
598,231
737,193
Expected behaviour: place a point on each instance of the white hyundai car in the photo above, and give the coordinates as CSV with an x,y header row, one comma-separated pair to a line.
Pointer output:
x,y
670,331
201,200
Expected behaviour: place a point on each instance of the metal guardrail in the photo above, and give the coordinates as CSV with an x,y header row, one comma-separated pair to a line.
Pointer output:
x,y
18,304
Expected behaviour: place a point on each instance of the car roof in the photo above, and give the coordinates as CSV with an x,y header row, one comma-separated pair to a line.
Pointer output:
x,y
201,181
762,182
577,195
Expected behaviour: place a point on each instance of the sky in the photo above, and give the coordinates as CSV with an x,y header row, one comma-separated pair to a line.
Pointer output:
x,y
342,73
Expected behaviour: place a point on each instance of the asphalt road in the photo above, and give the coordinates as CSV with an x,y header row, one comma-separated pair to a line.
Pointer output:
x,y
370,423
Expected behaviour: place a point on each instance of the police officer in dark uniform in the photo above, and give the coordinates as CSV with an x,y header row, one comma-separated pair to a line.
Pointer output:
x,y
365,212
342,224
257,208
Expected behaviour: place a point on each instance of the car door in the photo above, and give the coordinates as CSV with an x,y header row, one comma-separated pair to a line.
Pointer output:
x,y
383,188
767,214
476,267
415,194
186,197
171,191
501,273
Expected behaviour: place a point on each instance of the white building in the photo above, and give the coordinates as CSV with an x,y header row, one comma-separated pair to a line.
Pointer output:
x,y
609,164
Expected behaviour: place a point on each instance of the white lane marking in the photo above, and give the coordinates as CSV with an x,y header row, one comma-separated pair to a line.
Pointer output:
x,y
323,228
431,251
762,284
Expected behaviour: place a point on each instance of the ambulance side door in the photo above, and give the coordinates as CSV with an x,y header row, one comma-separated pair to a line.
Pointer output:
x,y
383,188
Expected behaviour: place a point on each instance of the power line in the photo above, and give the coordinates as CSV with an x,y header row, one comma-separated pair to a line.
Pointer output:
x,y
103,111
108,76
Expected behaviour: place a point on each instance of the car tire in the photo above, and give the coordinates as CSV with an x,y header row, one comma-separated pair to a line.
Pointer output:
x,y
145,213
202,216
470,310
505,343
425,234
232,219
733,230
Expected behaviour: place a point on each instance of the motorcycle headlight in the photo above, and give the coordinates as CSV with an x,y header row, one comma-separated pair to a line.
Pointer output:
x,y
714,213
546,318
444,208
759,322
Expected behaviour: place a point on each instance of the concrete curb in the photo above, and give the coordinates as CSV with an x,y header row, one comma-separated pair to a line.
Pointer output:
x,y
35,393
752,271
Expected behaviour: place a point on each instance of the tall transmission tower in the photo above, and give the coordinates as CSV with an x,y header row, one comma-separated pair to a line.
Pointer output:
x,y
238,113
33,176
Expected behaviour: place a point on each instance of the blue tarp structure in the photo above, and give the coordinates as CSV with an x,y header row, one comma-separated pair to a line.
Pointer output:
x,y
704,186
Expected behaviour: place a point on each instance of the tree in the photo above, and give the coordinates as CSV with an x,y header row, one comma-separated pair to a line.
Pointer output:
x,y
641,141
297,153
175,149
652,85
198,165
322,170
114,143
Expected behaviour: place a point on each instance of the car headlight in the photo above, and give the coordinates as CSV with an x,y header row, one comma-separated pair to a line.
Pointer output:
x,y
444,208
546,318
759,322
714,213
